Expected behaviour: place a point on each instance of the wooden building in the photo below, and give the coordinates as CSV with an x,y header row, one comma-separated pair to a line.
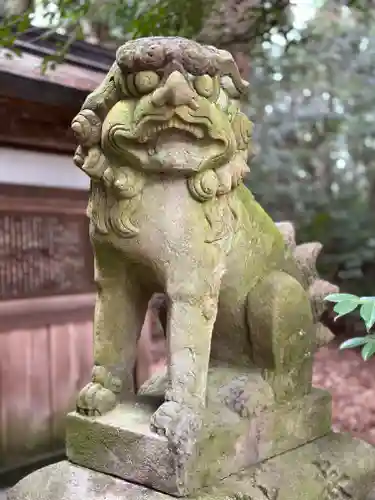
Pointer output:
x,y
46,265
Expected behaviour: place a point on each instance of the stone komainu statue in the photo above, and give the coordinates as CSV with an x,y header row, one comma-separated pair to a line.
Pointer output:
x,y
166,147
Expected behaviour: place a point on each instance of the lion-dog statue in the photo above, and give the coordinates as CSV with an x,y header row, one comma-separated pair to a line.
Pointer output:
x,y
166,146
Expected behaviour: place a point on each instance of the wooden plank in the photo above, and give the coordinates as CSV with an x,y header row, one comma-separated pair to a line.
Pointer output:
x,y
43,195
41,371
24,199
5,360
63,377
80,53
38,312
83,352
71,361
16,396
39,91
38,438
22,206
66,75
37,125
65,304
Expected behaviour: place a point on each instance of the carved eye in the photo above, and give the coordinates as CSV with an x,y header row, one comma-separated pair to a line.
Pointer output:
x,y
146,81
204,85
120,83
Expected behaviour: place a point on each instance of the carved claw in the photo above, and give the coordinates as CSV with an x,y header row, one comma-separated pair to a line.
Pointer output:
x,y
178,423
94,400
99,396
237,399
163,418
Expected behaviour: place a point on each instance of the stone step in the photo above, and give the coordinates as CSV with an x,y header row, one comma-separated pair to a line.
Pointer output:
x,y
335,466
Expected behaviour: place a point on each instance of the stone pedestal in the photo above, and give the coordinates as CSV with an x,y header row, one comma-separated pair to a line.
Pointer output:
x,y
248,449
335,467
235,435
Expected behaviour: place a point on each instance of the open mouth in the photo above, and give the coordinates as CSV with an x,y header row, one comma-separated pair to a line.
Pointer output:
x,y
151,130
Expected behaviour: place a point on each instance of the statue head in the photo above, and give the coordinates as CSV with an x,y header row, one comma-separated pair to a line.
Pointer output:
x,y
169,106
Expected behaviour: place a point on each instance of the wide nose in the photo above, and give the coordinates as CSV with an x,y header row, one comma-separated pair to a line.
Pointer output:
x,y
175,92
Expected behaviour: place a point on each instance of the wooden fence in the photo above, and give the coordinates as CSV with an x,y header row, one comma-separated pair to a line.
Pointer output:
x,y
44,362
46,310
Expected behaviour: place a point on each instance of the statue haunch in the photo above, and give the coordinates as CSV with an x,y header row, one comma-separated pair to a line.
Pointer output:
x,y
166,147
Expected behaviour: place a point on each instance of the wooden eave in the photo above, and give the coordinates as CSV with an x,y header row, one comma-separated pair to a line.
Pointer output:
x,y
36,109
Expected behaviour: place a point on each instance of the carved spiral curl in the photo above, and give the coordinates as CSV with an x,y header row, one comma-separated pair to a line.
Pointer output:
x,y
97,208
108,177
119,218
87,128
79,157
128,182
94,163
242,128
204,185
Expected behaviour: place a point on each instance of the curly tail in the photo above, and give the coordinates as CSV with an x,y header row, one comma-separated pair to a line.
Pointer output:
x,y
306,256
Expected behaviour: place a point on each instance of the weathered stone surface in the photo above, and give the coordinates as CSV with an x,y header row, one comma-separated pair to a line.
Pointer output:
x,y
335,467
65,481
166,146
234,435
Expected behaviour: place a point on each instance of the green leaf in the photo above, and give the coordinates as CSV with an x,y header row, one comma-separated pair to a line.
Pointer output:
x,y
368,350
340,297
345,307
356,342
367,313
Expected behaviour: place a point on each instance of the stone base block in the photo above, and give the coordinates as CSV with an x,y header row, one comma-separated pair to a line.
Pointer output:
x,y
120,443
333,467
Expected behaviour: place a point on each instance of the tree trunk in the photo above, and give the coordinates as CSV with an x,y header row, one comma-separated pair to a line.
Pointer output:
x,y
15,7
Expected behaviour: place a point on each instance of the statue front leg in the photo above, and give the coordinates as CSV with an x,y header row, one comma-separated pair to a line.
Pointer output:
x,y
189,330
119,313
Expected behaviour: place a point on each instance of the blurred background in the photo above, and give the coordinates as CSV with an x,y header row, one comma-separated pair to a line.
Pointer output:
x,y
311,67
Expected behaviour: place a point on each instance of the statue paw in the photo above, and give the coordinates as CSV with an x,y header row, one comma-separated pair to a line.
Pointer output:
x,y
163,418
95,400
180,424
238,403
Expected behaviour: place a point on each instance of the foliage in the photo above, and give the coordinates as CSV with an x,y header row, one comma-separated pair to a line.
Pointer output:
x,y
346,303
315,128
63,15
111,22
225,22
118,20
